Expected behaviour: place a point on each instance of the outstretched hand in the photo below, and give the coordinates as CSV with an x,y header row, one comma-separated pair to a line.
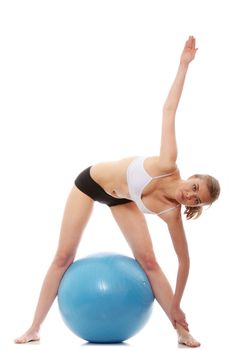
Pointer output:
x,y
189,50
178,316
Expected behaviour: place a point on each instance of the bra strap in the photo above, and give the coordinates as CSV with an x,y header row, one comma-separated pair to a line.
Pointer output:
x,y
167,210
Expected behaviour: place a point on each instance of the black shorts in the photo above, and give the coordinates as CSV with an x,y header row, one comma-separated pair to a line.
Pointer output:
x,y
87,185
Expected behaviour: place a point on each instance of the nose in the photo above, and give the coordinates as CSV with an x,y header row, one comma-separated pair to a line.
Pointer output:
x,y
187,195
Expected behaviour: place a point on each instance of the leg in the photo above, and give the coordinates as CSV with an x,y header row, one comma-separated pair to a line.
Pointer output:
x,y
77,211
134,227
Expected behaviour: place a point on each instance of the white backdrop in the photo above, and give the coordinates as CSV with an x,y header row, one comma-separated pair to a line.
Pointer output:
x,y
85,81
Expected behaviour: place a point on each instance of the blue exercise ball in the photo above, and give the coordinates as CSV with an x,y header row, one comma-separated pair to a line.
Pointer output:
x,y
105,298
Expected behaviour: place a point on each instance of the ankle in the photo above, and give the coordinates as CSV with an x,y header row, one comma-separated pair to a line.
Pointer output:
x,y
181,330
35,327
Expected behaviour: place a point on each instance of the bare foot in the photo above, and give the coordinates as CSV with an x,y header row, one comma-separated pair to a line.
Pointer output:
x,y
30,335
185,338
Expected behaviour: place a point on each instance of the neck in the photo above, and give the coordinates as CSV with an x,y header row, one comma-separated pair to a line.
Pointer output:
x,y
171,189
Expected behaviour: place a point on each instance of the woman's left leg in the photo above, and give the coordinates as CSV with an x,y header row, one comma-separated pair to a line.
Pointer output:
x,y
134,227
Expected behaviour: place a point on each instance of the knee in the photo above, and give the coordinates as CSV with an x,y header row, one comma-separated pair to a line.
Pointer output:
x,y
63,260
147,260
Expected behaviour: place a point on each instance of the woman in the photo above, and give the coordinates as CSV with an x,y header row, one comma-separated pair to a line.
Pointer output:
x,y
131,187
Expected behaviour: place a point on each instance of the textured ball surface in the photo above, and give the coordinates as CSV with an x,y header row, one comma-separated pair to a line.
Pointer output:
x,y
105,298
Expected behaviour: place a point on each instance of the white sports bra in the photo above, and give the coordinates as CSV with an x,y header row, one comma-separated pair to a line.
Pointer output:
x,y
137,179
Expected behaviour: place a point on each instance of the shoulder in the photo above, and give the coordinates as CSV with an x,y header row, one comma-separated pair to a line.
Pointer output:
x,y
173,217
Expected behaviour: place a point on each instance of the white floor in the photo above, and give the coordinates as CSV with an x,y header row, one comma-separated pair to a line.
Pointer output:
x,y
157,334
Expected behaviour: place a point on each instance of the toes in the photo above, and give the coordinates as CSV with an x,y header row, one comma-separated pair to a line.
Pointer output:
x,y
20,340
192,343
26,339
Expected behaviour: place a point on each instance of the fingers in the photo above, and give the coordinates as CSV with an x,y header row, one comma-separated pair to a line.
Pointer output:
x,y
182,324
182,321
178,318
185,325
191,42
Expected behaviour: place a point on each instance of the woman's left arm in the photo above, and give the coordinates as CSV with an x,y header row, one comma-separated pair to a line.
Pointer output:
x,y
168,148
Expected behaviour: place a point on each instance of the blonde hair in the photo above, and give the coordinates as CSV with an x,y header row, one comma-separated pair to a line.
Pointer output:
x,y
214,191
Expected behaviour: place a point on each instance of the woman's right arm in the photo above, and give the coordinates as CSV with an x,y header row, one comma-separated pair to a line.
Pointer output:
x,y
176,230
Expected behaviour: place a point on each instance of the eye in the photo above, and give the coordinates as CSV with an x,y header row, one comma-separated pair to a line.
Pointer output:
x,y
194,187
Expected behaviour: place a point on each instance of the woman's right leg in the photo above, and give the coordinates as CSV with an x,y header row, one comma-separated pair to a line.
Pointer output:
x,y
77,212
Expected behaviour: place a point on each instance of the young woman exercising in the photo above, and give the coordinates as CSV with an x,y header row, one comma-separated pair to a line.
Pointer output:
x,y
130,187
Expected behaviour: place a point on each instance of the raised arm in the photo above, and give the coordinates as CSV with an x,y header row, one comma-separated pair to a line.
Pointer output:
x,y
168,147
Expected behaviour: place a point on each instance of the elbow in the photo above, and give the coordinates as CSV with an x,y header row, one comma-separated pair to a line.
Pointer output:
x,y
184,262
169,108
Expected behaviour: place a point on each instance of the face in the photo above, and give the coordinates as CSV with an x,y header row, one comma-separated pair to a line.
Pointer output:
x,y
193,193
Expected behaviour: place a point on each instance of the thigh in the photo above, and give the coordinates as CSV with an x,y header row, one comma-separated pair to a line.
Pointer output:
x,y
133,225
76,214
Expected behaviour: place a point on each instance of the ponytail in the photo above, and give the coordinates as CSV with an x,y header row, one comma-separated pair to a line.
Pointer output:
x,y
193,212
